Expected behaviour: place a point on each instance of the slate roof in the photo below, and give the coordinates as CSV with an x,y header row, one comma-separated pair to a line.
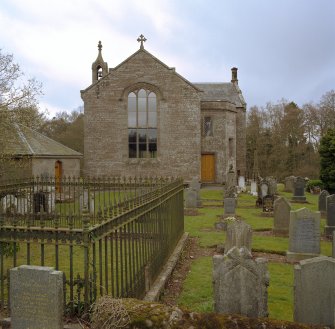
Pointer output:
x,y
220,92
21,140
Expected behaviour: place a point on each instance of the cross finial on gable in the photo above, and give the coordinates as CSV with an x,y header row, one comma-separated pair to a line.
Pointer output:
x,y
99,46
141,39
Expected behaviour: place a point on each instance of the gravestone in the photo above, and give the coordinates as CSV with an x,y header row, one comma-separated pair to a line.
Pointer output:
x,y
36,297
231,179
289,184
22,204
229,205
9,203
322,205
281,223
267,202
191,199
314,291
299,190
272,182
263,188
230,192
304,235
253,188
330,214
239,234
241,183
240,283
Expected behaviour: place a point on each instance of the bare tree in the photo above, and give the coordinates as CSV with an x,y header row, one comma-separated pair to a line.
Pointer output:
x,y
18,103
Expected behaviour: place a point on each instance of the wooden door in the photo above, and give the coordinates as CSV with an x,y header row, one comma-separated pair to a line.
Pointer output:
x,y
207,168
58,175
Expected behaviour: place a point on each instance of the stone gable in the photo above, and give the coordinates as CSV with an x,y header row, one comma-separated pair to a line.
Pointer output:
x,y
180,114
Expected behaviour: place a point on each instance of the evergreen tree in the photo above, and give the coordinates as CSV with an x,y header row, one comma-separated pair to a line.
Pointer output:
x,y
327,160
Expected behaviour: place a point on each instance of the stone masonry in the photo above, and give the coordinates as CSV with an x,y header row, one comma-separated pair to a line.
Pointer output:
x,y
181,108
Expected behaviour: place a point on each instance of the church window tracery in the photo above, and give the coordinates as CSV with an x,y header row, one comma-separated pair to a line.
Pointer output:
x,y
142,124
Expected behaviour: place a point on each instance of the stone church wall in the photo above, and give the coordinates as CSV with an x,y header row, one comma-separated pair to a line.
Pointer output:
x,y
106,122
223,116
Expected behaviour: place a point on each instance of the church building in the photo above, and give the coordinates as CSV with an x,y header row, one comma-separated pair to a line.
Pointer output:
x,y
142,118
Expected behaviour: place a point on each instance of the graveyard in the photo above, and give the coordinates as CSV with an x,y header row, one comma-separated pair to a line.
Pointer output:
x,y
245,250
196,291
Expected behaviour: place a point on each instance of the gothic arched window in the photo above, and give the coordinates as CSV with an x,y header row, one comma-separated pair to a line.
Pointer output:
x,y
142,124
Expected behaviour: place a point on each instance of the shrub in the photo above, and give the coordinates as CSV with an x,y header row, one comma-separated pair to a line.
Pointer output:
x,y
314,183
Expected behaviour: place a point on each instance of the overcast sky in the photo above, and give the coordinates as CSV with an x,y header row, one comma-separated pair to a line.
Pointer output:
x,y
282,48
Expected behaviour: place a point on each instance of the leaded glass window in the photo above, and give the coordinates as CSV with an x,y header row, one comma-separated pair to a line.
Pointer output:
x,y
142,124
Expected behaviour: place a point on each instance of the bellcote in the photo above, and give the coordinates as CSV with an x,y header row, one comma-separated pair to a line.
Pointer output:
x,y
99,67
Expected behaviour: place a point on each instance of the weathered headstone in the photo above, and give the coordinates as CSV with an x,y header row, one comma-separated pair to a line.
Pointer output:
x,y
264,188
239,234
240,283
36,297
330,214
281,223
9,203
241,183
231,179
193,194
289,183
229,205
191,198
322,205
299,190
304,235
272,186
314,291
253,188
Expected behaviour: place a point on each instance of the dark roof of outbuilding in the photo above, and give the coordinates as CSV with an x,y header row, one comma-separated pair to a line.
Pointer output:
x,y
221,92
21,140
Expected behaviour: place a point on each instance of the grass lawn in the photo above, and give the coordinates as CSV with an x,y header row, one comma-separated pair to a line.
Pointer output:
x,y
197,293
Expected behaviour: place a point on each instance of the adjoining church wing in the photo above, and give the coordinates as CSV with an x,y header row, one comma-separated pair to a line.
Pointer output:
x,y
143,118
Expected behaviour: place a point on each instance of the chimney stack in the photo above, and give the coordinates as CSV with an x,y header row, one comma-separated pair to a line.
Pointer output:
x,y
234,75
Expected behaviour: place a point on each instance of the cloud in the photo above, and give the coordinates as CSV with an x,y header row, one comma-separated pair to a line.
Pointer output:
x,y
282,49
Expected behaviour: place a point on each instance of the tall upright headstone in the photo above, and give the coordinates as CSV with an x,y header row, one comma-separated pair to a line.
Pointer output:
x,y
289,183
240,283
241,183
36,297
304,235
314,291
253,188
239,234
281,211
193,199
299,190
322,205
229,205
330,215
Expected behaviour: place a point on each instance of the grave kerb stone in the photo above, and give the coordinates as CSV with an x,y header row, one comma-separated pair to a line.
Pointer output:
x,y
36,297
